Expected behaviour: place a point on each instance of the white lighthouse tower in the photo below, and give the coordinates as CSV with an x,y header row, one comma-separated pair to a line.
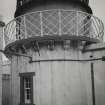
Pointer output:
x,y
54,47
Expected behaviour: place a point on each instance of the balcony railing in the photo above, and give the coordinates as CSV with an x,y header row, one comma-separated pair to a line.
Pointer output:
x,y
54,22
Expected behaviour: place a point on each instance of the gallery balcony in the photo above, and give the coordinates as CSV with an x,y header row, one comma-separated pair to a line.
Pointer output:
x,y
56,24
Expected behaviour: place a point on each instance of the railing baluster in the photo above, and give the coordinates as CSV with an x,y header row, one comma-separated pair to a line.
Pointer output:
x,y
25,26
41,23
60,22
77,24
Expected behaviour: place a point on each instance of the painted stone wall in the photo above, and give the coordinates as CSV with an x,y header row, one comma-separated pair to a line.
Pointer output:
x,y
61,82
57,80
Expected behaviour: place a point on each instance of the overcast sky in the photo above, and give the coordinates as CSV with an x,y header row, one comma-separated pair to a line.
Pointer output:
x,y
7,9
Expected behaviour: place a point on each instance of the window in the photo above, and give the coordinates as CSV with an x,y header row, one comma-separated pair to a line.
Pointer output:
x,y
26,88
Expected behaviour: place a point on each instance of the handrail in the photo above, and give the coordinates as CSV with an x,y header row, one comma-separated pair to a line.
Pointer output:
x,y
55,21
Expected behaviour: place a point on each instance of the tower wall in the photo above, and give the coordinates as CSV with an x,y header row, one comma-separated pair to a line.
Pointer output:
x,y
55,82
61,82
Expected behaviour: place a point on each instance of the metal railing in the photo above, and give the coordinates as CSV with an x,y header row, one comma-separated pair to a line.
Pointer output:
x,y
54,22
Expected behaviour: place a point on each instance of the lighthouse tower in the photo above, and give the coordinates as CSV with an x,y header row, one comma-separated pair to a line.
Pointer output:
x,y
50,44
